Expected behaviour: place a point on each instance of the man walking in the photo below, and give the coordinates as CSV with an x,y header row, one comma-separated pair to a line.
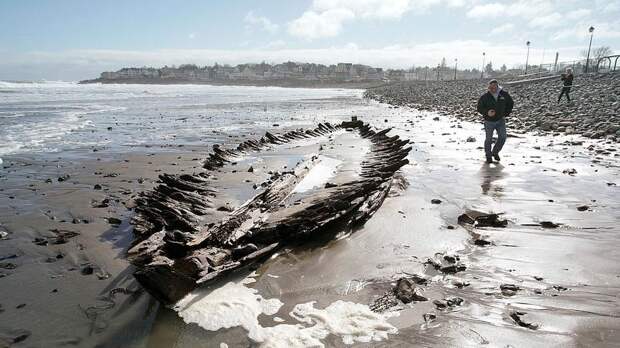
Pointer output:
x,y
494,106
567,79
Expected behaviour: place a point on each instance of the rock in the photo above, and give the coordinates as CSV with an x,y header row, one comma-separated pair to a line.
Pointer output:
x,y
548,224
451,258
570,171
436,118
97,187
87,270
454,301
481,242
40,241
429,317
103,204
64,178
460,283
8,265
516,316
440,304
466,219
251,169
448,303
471,139
114,221
481,220
435,201
13,337
330,185
406,291
452,269
583,207
613,129
509,289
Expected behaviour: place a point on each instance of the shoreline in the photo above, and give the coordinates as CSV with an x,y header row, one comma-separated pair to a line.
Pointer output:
x,y
267,83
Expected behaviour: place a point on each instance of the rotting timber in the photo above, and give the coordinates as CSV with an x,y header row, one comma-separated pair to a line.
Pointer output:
x,y
179,245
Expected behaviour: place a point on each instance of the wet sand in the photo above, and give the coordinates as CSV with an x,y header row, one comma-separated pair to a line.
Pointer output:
x,y
566,278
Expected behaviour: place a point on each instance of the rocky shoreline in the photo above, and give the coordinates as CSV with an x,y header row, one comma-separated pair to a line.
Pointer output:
x,y
594,111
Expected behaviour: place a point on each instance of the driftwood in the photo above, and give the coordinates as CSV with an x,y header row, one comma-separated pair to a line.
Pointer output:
x,y
178,246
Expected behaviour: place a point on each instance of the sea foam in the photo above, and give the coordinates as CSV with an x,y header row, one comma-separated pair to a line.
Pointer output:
x,y
237,305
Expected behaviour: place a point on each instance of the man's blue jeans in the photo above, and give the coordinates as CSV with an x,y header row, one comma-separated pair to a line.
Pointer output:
x,y
489,127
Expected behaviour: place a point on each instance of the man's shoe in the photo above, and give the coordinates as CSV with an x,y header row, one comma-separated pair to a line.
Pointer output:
x,y
496,156
489,160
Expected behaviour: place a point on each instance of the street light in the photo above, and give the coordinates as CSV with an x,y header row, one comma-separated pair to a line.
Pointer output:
x,y
482,70
591,30
528,56
455,62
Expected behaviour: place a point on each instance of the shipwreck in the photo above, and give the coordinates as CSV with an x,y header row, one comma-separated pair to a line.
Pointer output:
x,y
250,201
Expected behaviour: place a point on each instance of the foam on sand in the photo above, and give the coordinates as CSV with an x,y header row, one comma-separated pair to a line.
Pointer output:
x,y
234,304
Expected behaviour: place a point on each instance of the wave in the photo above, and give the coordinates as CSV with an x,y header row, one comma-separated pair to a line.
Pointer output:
x,y
30,84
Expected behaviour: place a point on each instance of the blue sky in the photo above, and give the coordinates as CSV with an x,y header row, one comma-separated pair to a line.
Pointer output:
x,y
77,39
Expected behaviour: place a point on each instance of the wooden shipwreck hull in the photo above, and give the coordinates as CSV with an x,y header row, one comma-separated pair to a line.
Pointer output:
x,y
183,241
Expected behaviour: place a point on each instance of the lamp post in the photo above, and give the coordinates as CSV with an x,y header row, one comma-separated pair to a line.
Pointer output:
x,y
527,58
455,63
482,69
591,30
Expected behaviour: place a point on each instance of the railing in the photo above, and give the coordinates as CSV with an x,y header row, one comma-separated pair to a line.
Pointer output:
x,y
606,66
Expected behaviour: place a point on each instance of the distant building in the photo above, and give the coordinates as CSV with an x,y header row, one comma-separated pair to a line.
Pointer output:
x,y
257,72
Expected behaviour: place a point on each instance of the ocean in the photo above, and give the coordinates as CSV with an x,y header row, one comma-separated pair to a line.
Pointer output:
x,y
57,116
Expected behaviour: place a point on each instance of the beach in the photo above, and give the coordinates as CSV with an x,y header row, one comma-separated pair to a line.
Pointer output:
x,y
549,277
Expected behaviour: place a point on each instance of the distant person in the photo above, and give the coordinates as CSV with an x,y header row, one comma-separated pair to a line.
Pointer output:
x,y
567,78
494,106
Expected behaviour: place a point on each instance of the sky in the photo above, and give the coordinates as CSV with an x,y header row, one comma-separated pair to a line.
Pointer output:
x,y
78,39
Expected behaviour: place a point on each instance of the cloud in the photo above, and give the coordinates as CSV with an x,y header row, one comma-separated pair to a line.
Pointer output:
x,y
326,18
612,6
191,36
579,30
527,9
456,3
505,28
262,22
548,21
312,25
275,44
578,14
383,9
487,10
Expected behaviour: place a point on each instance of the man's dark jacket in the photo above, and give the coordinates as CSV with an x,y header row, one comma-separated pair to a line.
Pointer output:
x,y
503,105
568,80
